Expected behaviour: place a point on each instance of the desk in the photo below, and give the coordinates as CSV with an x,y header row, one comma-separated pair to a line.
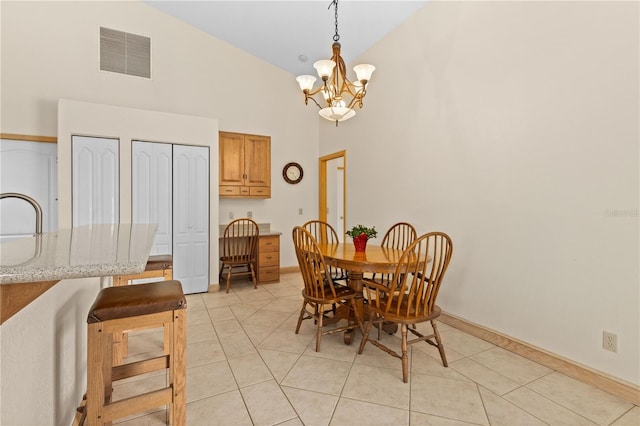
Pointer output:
x,y
375,259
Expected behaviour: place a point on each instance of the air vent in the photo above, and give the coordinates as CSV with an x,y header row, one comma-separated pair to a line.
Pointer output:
x,y
125,53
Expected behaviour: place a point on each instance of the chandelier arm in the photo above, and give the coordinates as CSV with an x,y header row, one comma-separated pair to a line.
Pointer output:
x,y
314,101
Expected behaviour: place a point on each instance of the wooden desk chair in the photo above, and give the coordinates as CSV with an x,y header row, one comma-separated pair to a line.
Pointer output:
x,y
323,232
411,296
239,250
319,288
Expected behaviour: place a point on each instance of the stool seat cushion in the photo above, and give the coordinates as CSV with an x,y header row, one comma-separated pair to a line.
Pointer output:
x,y
134,300
159,262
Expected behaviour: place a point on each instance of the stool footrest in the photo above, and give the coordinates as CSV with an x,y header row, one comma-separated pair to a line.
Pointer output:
x,y
136,404
140,367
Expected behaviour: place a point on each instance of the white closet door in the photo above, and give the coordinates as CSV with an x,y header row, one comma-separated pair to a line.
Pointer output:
x,y
152,199
95,176
191,217
28,168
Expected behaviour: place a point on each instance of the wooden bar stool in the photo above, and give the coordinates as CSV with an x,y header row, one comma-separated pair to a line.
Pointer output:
x,y
158,266
143,306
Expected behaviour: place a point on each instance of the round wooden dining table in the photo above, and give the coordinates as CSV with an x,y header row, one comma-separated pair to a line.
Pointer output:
x,y
374,259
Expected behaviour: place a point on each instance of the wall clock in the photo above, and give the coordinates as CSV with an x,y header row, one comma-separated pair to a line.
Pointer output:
x,y
292,173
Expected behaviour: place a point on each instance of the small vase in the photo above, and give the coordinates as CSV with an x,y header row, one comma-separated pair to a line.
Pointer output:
x,y
360,242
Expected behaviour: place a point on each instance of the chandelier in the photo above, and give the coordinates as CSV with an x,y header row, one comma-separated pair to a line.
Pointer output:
x,y
340,95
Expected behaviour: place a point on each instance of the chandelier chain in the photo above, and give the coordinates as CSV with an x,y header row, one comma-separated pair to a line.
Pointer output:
x,y
334,3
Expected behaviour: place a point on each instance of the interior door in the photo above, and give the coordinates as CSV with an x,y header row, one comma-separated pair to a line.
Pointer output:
x,y
95,180
332,191
191,217
152,191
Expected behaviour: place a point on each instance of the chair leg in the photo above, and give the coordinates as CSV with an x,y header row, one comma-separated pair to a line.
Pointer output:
x,y
304,305
365,335
357,315
405,357
439,342
253,276
319,331
229,278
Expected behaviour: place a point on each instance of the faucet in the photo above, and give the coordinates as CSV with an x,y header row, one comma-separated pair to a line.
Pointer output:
x,y
31,201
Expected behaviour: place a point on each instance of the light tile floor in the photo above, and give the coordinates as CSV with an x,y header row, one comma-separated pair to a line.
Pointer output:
x,y
246,366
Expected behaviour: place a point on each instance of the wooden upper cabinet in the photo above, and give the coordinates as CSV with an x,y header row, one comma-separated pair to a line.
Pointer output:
x,y
245,165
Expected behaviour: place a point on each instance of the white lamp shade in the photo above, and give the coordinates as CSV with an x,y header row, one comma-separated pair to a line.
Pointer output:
x,y
324,67
306,82
364,71
336,113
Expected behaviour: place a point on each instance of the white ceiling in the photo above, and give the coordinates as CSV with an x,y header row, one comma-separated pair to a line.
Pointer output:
x,y
280,31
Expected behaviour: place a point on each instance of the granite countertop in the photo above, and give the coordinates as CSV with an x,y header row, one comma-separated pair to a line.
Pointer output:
x,y
86,251
263,228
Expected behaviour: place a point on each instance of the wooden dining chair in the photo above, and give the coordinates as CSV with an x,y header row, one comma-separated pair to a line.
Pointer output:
x,y
410,298
239,250
398,237
319,288
323,232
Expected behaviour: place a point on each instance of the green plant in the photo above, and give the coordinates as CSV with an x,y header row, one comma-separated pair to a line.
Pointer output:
x,y
358,230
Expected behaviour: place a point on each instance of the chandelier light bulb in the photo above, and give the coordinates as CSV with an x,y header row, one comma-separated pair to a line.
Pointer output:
x,y
324,67
364,71
306,82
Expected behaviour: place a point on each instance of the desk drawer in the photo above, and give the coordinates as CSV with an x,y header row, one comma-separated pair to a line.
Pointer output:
x,y
270,243
269,258
268,273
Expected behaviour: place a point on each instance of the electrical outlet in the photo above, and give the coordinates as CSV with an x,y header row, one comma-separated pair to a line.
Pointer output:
x,y
231,215
250,215
610,341
300,211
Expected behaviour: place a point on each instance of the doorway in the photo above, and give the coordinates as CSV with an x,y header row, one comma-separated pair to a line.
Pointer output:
x,y
332,191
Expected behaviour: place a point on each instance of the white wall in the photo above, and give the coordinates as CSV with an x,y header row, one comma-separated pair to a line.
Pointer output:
x,y
50,51
43,355
513,126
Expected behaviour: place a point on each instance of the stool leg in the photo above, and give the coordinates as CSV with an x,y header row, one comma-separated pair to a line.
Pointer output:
x,y
178,368
99,358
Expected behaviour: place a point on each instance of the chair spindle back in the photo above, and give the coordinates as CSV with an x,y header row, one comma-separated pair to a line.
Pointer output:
x,y
240,240
416,284
315,273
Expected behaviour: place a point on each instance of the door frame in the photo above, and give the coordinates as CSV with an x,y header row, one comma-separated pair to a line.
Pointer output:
x,y
322,189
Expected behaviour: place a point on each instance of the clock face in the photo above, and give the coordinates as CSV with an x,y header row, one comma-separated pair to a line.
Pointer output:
x,y
292,173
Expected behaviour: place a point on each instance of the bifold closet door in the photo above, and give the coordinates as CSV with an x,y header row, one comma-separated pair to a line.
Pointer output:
x,y
152,190
191,217
95,180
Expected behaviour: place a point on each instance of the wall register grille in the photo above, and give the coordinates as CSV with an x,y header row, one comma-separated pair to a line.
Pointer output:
x,y
125,53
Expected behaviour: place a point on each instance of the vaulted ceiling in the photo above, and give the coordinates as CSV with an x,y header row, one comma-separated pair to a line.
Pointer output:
x,y
284,33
